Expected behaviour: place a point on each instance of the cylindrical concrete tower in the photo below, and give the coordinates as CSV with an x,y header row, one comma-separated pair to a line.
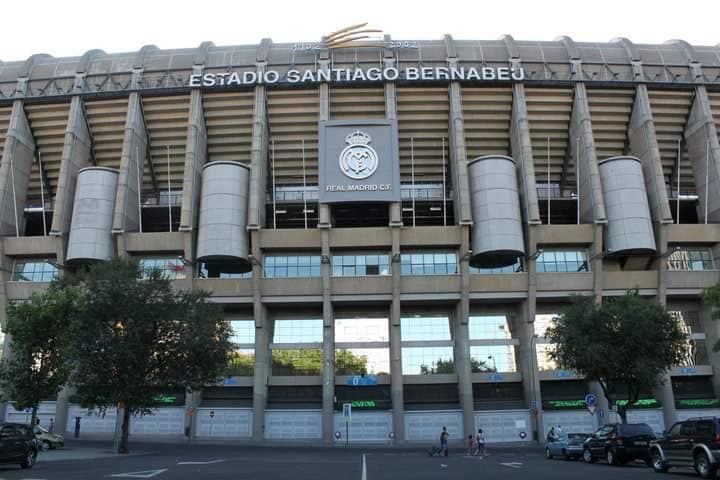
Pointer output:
x,y
629,230
497,235
92,217
222,231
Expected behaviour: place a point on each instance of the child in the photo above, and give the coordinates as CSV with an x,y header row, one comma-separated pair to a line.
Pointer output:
x,y
479,443
470,445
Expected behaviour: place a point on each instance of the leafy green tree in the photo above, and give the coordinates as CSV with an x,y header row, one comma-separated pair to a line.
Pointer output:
x,y
297,362
347,363
37,365
132,336
448,366
625,344
712,298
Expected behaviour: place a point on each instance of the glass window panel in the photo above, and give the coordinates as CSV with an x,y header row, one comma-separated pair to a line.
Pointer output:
x,y
243,331
297,362
269,261
362,361
493,358
542,322
424,328
427,360
545,363
488,327
297,331
361,330
281,261
241,363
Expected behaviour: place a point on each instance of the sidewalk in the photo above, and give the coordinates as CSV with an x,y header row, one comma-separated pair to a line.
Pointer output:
x,y
80,452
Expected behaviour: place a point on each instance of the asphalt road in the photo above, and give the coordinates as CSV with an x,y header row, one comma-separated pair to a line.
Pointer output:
x,y
193,462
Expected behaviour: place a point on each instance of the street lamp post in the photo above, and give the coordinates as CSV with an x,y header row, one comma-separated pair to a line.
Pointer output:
x,y
490,357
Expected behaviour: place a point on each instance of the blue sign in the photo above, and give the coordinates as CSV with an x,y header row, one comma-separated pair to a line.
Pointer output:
x,y
601,413
362,381
496,377
590,400
563,374
688,370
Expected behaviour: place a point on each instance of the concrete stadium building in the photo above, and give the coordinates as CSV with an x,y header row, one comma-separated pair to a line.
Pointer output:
x,y
390,225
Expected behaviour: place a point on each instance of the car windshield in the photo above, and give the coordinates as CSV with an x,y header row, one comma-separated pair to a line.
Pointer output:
x,y
38,429
576,438
636,429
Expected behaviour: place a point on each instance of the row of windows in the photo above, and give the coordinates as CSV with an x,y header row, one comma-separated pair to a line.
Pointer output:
x,y
359,265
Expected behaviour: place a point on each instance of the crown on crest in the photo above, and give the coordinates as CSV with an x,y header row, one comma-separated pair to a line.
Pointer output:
x,y
358,138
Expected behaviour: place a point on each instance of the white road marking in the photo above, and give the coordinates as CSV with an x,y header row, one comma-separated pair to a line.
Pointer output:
x,y
142,474
512,464
201,463
364,469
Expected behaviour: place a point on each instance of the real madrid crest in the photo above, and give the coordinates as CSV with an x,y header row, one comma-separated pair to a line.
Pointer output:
x,y
358,160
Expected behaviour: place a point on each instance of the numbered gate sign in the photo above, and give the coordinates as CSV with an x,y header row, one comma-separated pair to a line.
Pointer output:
x,y
347,411
590,400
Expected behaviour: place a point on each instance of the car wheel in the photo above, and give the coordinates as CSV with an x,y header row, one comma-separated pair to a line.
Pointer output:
x,y
548,455
611,457
587,456
30,459
46,445
703,466
657,463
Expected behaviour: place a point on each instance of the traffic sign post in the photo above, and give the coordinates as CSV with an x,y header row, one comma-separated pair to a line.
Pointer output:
x,y
590,400
347,413
212,415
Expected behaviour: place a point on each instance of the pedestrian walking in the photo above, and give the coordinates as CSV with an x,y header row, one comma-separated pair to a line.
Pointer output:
x,y
480,443
444,442
470,444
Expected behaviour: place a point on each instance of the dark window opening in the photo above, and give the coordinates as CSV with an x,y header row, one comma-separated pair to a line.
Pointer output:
x,y
563,211
157,218
227,397
563,394
692,387
431,397
498,396
300,396
354,215
34,226
689,210
366,397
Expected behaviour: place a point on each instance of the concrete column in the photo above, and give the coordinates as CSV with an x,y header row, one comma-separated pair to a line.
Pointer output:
x,y
592,204
19,152
192,402
396,375
263,335
642,143
458,155
195,159
133,158
521,151
703,149
62,405
462,338
258,160
328,367
664,392
596,265
77,154
324,220
527,364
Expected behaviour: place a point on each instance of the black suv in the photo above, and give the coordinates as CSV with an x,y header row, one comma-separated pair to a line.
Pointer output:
x,y
18,444
619,443
692,443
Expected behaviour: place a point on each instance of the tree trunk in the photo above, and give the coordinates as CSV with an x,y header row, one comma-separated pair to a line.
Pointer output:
x,y
33,416
622,411
123,446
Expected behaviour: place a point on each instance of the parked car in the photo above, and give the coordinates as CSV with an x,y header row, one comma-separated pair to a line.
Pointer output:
x,y
47,439
568,446
18,444
619,443
691,443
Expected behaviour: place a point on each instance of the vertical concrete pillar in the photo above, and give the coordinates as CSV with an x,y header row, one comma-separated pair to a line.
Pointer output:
x,y
596,264
703,149
391,114
642,143
396,374
192,402
525,326
324,220
521,151
263,335
328,367
258,157
664,391
132,162
195,158
458,155
76,154
462,338
582,145
17,159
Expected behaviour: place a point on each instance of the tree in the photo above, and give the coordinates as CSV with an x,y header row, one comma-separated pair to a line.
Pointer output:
x,y
625,344
132,336
712,298
37,365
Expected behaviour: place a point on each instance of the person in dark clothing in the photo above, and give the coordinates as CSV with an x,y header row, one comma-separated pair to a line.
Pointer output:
x,y
444,442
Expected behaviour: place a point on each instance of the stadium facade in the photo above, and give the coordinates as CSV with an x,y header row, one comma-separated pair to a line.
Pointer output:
x,y
390,226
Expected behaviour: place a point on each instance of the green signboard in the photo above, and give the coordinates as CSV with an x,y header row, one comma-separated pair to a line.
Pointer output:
x,y
642,403
698,403
165,399
580,404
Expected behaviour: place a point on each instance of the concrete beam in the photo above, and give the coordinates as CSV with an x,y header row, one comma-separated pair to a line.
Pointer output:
x,y
521,151
582,145
703,149
195,158
458,156
642,142
76,154
17,159
134,155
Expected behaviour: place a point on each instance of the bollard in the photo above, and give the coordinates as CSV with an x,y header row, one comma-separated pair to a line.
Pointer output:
x,y
77,427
